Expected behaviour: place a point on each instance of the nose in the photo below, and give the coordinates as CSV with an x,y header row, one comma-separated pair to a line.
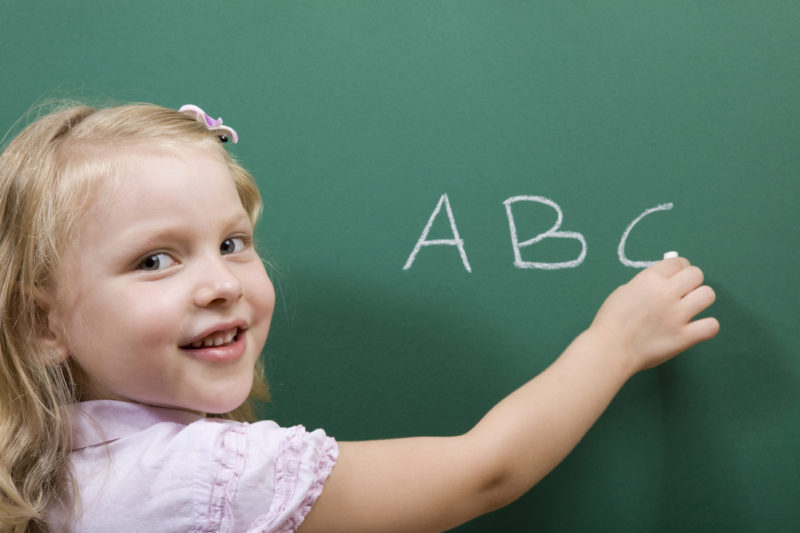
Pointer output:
x,y
217,283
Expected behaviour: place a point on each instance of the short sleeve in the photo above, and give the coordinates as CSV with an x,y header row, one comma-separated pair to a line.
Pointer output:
x,y
298,463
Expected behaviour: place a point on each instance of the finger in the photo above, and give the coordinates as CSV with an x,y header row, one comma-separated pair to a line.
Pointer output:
x,y
687,280
701,330
670,267
697,301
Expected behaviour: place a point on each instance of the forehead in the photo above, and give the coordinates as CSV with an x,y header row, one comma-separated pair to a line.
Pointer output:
x,y
151,168
160,185
94,169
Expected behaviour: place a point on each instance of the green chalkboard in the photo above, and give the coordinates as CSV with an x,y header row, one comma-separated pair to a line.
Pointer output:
x,y
358,116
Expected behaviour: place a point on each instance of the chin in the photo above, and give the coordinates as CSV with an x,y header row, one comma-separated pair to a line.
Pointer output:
x,y
224,395
222,403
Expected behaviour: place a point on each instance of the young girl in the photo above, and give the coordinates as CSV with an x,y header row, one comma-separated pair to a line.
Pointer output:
x,y
134,309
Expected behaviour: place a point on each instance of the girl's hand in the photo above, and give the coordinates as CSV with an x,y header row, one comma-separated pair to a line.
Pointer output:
x,y
650,317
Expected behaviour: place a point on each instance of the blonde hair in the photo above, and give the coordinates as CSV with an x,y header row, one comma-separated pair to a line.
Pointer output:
x,y
48,176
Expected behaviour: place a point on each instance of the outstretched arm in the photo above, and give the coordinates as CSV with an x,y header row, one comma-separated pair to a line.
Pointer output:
x,y
432,484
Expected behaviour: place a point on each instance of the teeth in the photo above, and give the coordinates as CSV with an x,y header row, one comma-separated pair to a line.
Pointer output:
x,y
217,338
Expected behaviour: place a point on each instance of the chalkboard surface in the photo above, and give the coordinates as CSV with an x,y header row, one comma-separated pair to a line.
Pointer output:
x,y
675,125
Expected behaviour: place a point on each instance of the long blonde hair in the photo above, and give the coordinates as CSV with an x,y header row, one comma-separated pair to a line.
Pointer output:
x,y
48,175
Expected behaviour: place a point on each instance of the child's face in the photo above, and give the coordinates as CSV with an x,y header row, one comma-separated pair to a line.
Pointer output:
x,y
161,298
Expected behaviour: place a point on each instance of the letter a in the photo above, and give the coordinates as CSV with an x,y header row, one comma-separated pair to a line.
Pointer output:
x,y
455,241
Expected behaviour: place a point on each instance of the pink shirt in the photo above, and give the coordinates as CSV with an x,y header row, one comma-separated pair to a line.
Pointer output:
x,y
141,468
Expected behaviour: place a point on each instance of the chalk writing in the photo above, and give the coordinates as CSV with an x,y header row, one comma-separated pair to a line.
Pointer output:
x,y
455,241
553,233
621,248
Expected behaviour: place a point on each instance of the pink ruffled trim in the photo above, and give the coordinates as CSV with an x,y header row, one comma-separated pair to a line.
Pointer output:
x,y
287,471
231,466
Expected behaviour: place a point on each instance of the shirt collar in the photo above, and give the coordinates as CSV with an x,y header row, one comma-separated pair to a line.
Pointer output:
x,y
103,421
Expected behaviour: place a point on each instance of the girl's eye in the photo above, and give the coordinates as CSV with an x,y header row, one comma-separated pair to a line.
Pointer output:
x,y
232,245
156,262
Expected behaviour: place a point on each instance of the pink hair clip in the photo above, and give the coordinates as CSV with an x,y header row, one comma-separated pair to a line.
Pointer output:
x,y
215,125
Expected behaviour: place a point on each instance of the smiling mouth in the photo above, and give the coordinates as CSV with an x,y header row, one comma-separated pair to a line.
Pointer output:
x,y
218,338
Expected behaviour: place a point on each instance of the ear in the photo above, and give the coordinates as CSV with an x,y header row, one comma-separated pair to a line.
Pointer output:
x,y
57,352
50,333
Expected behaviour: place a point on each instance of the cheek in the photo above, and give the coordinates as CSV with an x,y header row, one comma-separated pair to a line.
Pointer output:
x,y
151,316
261,298
121,322
264,293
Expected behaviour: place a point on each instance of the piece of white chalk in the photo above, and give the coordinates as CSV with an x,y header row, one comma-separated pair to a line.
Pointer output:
x,y
670,255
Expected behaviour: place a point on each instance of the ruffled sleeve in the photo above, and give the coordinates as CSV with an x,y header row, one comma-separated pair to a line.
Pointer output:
x,y
302,464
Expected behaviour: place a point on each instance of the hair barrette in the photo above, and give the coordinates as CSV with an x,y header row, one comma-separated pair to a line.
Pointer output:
x,y
215,125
